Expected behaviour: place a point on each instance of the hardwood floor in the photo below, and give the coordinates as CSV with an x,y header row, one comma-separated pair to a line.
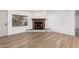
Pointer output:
x,y
39,40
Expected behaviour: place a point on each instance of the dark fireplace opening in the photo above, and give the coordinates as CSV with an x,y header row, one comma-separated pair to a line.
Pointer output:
x,y
38,24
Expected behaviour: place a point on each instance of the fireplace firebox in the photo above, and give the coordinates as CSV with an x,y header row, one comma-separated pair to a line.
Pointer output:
x,y
38,24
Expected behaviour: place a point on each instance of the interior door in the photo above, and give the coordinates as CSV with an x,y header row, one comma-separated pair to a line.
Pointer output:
x,y
3,23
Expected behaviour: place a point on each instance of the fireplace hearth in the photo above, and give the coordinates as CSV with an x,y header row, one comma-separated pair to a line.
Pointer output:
x,y
38,24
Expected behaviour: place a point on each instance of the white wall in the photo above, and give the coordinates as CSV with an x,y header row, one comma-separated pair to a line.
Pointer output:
x,y
3,21
39,14
62,21
14,30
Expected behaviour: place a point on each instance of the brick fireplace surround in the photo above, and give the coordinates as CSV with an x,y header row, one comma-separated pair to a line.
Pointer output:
x,y
38,24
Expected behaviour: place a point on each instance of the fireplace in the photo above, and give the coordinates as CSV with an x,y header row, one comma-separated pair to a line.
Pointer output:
x,y
38,24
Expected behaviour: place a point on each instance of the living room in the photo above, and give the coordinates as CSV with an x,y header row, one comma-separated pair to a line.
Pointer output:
x,y
19,22
39,29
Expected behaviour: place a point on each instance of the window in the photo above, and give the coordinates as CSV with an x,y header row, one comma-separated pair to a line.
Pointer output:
x,y
19,20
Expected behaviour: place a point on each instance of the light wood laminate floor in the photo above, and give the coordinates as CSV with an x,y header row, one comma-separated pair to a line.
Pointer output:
x,y
39,40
